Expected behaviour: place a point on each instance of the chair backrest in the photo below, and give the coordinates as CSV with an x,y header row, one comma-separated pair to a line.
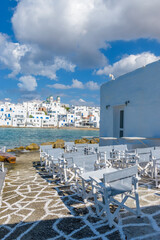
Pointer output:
x,y
44,148
82,145
144,157
121,147
73,154
70,144
120,174
86,162
93,145
105,149
156,153
144,150
57,152
131,151
103,155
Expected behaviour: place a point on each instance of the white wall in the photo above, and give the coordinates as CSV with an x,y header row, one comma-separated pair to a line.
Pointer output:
x,y
142,114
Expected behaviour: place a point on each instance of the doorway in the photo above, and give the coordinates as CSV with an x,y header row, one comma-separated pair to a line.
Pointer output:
x,y
121,125
118,121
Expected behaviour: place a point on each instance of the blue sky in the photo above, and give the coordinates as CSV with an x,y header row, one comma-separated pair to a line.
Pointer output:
x,y
69,48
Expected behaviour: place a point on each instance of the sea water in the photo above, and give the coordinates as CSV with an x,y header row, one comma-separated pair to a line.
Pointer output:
x,y
15,137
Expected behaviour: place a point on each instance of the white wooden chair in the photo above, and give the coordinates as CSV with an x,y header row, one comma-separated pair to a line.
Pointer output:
x,y
69,147
66,165
72,166
43,153
80,147
3,172
141,159
91,149
156,166
51,159
83,185
105,148
121,147
102,160
65,170
121,182
144,150
129,158
117,155
144,163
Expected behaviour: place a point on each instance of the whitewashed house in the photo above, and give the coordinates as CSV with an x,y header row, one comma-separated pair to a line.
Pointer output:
x,y
130,105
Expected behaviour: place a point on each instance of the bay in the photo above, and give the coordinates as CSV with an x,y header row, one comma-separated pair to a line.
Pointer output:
x,y
15,137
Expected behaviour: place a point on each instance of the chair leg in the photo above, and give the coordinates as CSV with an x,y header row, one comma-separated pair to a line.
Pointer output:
x,y
108,212
137,205
84,191
98,212
156,175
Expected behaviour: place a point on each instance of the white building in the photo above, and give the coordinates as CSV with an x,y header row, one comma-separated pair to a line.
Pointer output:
x,y
130,105
49,113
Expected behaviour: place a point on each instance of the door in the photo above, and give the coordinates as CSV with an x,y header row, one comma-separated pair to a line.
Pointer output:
x,y
121,123
118,121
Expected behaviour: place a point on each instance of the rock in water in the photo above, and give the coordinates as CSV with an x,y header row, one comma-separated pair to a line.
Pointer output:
x,y
32,146
96,139
2,158
93,141
6,157
81,141
47,143
59,143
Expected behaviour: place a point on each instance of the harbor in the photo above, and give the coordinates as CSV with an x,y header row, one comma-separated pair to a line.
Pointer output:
x,y
79,120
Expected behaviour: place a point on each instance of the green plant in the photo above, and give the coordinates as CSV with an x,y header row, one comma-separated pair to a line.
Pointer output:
x,y
67,108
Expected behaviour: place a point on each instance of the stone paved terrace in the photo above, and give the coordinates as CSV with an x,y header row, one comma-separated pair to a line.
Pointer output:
x,y
35,207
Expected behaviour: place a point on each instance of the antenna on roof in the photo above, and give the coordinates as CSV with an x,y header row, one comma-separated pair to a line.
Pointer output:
x,y
111,76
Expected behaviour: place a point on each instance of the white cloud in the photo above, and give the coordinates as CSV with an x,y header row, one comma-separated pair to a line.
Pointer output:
x,y
27,83
47,69
59,86
76,84
92,85
78,30
30,60
7,99
81,100
128,64
11,54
